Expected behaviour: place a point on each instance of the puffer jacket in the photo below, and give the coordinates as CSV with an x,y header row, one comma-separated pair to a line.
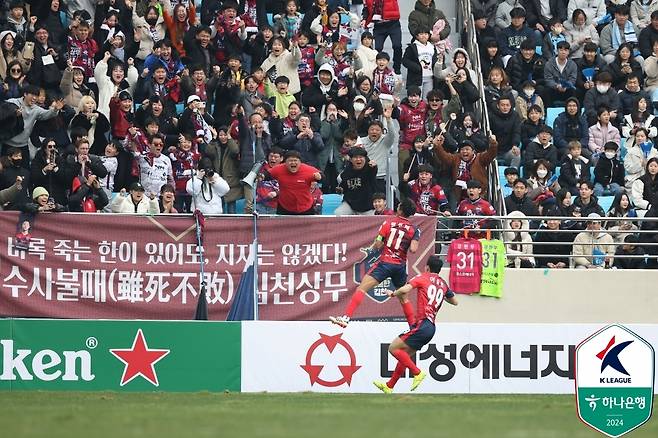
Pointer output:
x,y
424,17
518,243
576,37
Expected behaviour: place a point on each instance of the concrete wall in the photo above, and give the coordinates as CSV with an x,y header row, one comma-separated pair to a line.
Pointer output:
x,y
564,296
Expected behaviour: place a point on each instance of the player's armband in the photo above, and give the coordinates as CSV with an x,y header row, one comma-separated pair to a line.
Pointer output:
x,y
380,238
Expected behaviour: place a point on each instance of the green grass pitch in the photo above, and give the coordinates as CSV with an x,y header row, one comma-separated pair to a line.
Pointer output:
x,y
107,414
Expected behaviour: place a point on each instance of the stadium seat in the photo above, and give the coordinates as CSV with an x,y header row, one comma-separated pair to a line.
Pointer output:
x,y
622,149
538,50
270,19
180,107
239,206
551,115
330,203
605,202
501,174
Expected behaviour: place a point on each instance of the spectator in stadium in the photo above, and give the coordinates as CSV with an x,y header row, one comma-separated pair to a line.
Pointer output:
x,y
385,17
111,78
579,31
624,66
640,116
474,205
93,122
503,17
488,8
460,60
641,11
425,193
12,86
511,175
47,172
601,133
378,144
560,75
304,140
586,201
379,205
200,49
41,70
419,58
609,172
324,89
167,200
527,98
618,32
207,188
542,186
73,85
412,121
622,207
530,127
506,126
365,56
651,238
519,200
551,251
593,248
462,91
184,160
574,168
570,126
649,36
640,151
282,62
541,148
357,184
252,138
420,154
134,201
425,15
289,24
489,55
629,255
496,86
329,160
12,170
334,31
42,203
518,243
589,67
554,35
526,65
164,55
466,129
466,165
295,182
603,95
511,37
149,29
181,21
87,195
630,95
645,189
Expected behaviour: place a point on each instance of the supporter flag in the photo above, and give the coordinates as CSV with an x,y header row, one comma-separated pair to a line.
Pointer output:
x,y
202,304
243,303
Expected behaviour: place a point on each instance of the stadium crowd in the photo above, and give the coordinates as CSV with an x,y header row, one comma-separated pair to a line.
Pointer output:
x,y
145,106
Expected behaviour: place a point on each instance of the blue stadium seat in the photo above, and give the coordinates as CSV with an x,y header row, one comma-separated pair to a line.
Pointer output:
x,y
330,203
538,50
501,174
605,202
270,19
180,107
239,206
551,115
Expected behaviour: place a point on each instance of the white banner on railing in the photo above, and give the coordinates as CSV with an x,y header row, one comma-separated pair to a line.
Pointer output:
x,y
462,358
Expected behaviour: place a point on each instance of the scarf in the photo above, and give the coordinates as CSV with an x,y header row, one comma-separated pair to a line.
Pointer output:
x,y
629,35
464,172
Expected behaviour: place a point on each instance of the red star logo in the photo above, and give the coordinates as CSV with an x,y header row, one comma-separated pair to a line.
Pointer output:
x,y
139,360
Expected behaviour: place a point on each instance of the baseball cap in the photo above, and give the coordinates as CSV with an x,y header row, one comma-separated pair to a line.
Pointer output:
x,y
594,217
136,186
193,98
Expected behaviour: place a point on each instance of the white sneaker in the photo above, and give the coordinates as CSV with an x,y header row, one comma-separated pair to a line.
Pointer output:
x,y
340,320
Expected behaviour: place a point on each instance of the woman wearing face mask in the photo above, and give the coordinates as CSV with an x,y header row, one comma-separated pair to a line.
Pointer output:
x,y
361,115
528,98
149,29
640,117
538,182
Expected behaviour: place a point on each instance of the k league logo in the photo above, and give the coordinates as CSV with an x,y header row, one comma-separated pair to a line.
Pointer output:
x,y
614,380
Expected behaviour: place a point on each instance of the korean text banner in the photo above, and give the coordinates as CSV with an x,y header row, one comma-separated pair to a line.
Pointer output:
x,y
134,267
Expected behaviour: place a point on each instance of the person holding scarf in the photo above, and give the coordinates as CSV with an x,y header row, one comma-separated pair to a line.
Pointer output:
x,y
620,31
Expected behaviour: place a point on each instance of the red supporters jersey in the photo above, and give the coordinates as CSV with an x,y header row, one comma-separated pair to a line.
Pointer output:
x,y
429,199
479,207
397,233
432,289
465,258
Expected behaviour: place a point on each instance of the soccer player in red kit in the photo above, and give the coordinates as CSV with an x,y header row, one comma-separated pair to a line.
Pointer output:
x,y
396,236
432,291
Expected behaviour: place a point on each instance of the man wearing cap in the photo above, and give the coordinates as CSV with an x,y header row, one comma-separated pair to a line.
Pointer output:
x,y
358,182
465,165
593,249
196,124
135,202
426,193
295,181
511,37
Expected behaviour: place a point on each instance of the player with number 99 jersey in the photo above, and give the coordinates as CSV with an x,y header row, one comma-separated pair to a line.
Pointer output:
x,y
432,289
396,233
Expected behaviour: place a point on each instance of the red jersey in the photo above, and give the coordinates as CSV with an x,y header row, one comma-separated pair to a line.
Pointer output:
x,y
479,207
432,289
465,258
295,188
429,199
397,233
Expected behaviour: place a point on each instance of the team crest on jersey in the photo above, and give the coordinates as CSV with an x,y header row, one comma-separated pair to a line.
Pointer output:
x,y
380,292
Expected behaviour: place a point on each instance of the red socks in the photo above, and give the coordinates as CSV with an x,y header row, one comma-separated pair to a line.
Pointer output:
x,y
397,373
408,310
357,297
404,358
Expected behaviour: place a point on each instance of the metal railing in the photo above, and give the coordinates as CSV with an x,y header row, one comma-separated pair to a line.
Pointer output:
x,y
497,226
465,15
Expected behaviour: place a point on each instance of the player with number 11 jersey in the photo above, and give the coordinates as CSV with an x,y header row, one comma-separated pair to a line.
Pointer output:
x,y
395,238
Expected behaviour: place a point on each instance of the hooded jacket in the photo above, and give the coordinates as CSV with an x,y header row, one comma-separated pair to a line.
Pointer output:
x,y
635,163
451,69
319,95
568,128
518,244
424,17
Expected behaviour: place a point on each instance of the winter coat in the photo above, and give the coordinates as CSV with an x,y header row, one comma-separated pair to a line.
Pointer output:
x,y
568,173
49,76
423,17
518,244
98,196
443,73
635,164
73,94
107,89
315,97
568,128
412,62
124,204
599,136
57,182
628,125
101,128
332,137
606,44
519,70
488,7
510,39
651,71
585,244
207,195
379,150
284,65
479,167
639,15
608,171
554,77
594,100
535,151
248,142
506,128
619,77
503,18
553,248
365,61
576,36
628,99
309,148
225,159
591,207
647,37
391,10
644,192
594,11
598,65
523,205
143,30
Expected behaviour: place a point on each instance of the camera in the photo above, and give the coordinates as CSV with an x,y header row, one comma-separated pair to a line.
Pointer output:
x,y
209,172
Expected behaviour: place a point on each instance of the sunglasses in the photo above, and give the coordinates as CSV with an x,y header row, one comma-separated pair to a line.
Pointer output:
x,y
16,70
51,146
